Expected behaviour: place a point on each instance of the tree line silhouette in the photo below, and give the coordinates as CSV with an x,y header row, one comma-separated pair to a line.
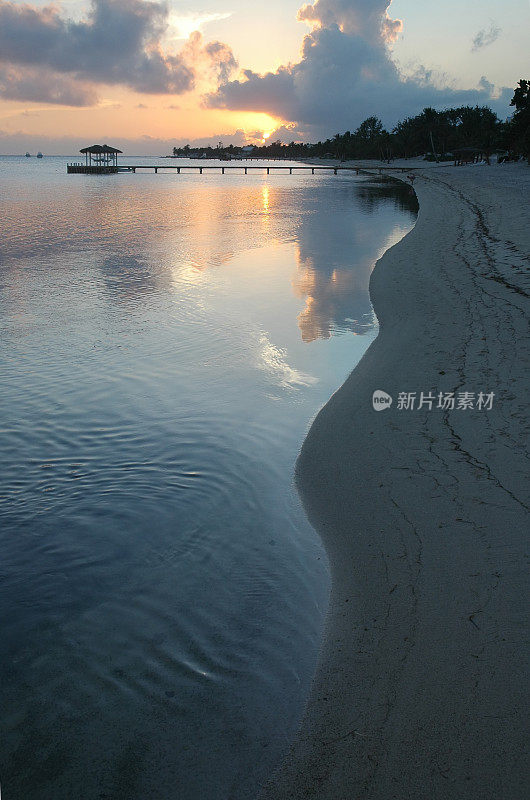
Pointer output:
x,y
433,134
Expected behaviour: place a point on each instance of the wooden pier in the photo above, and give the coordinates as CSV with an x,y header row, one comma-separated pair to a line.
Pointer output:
x,y
90,169
221,168
245,168
100,159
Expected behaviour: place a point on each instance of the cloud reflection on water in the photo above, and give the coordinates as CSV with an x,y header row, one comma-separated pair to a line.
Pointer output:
x,y
156,234
336,256
336,244
273,360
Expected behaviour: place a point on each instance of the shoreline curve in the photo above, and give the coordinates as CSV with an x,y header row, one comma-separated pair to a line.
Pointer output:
x,y
420,688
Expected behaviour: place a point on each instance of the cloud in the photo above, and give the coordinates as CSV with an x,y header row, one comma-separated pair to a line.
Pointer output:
x,y
485,84
284,133
238,138
346,73
18,141
43,86
216,59
485,37
368,18
183,26
119,42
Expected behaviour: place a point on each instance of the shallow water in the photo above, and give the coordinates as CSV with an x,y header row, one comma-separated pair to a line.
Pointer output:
x,y
166,341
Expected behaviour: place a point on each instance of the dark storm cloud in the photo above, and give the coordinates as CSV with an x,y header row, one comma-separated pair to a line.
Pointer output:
x,y
118,43
346,73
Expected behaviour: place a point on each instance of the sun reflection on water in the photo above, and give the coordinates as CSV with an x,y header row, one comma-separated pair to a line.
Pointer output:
x,y
265,199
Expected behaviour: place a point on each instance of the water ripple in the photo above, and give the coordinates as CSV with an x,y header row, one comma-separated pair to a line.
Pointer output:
x,y
164,346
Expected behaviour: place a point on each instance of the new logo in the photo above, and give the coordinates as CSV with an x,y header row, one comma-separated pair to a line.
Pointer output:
x,y
381,400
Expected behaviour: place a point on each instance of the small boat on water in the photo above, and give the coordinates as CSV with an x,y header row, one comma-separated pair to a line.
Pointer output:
x,y
39,155
28,155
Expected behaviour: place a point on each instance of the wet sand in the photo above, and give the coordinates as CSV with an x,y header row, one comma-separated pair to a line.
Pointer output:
x,y
420,692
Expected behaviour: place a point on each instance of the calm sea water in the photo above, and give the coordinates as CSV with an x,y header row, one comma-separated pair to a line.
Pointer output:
x,y
166,341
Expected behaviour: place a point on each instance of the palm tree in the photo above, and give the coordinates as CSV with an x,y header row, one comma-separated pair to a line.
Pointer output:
x,y
520,123
430,123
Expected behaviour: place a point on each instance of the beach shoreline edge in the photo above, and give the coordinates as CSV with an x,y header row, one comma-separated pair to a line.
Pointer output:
x,y
419,689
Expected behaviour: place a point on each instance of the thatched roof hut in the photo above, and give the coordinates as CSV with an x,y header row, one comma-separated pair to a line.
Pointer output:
x,y
101,155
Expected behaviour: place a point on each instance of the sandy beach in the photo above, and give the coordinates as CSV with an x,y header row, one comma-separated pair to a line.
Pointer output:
x,y
420,689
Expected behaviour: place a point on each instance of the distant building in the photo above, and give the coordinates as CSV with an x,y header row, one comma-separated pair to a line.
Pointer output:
x,y
248,148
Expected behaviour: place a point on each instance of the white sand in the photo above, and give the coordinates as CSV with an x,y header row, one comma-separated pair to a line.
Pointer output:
x,y
420,691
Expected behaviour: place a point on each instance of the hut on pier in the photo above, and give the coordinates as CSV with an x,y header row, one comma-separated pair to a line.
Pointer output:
x,y
99,159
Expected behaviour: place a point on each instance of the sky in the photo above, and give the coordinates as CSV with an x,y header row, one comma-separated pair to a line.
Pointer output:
x,y
145,75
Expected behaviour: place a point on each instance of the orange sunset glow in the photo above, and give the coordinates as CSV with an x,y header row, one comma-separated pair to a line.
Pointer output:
x,y
176,74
